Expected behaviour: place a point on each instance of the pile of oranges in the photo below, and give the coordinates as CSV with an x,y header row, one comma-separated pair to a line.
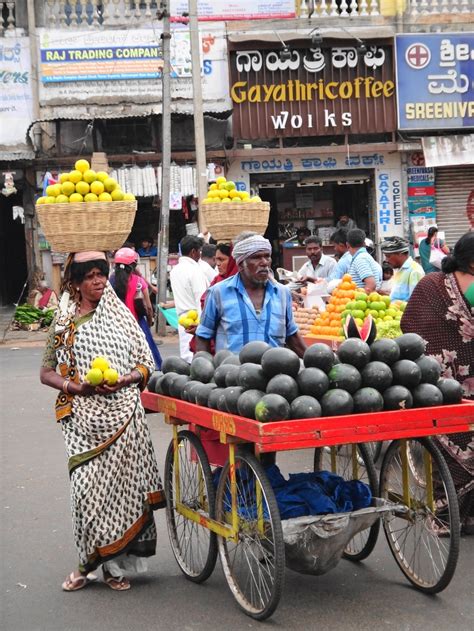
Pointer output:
x,y
329,323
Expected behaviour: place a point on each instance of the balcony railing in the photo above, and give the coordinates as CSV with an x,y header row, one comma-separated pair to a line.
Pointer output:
x,y
386,8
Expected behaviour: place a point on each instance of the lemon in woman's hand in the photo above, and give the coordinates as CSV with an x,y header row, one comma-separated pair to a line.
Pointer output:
x,y
95,377
111,376
101,363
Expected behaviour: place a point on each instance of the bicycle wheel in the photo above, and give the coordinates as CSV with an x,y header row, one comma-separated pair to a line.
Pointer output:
x,y
375,449
425,540
254,565
362,544
193,545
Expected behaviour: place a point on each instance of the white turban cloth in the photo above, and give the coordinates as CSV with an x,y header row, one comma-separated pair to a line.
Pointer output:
x,y
249,246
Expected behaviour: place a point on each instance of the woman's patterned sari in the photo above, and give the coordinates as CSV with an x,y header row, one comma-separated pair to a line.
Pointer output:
x,y
115,482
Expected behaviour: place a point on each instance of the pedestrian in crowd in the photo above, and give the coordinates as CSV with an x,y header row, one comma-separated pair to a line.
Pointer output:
x,y
431,241
114,477
346,222
133,290
302,234
319,265
387,279
441,310
408,272
207,261
249,306
365,271
42,297
225,262
342,254
188,284
147,248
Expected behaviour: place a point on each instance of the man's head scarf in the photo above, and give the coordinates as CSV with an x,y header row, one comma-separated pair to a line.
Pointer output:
x,y
249,246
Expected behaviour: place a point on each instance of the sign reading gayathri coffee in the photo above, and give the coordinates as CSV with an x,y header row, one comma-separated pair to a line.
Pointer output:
x,y
328,90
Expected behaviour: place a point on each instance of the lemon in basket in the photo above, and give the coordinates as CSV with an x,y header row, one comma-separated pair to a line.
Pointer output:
x,y
68,188
110,184
97,187
82,188
102,175
82,165
117,195
49,199
53,190
76,198
89,176
105,197
64,177
220,180
61,199
75,176
91,197
130,197
41,200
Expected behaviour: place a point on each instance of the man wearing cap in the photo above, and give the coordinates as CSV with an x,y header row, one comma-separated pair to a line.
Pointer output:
x,y
407,271
249,306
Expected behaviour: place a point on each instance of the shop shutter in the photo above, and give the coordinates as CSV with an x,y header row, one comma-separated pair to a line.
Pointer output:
x,y
454,189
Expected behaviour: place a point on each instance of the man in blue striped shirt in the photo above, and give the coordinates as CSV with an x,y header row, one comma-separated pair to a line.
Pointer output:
x,y
249,306
365,271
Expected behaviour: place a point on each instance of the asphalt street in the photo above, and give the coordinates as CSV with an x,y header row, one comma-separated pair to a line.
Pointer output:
x,y
37,550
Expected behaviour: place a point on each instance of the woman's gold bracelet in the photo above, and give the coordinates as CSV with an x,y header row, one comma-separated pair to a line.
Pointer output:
x,y
65,386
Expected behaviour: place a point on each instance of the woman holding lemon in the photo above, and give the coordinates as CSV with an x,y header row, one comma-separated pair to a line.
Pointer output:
x,y
114,477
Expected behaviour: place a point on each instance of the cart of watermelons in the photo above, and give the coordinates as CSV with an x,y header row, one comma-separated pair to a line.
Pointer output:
x,y
265,400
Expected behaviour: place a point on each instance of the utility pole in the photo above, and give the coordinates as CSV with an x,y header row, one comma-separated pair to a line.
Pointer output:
x,y
163,235
199,139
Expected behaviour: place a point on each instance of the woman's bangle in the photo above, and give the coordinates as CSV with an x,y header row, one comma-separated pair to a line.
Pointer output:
x,y
65,386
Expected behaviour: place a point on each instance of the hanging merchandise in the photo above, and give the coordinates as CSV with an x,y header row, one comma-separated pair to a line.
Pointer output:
x,y
9,186
142,182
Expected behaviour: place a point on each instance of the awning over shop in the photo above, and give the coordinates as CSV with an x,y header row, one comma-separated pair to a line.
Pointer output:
x,y
15,154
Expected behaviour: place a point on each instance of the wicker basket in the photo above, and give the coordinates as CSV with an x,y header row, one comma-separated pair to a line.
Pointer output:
x,y
78,227
226,220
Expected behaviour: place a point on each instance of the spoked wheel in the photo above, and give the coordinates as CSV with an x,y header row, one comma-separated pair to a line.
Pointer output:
x,y
340,460
254,565
424,540
193,545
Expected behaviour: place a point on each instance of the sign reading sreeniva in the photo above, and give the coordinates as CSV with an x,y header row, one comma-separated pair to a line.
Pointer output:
x,y
435,80
312,92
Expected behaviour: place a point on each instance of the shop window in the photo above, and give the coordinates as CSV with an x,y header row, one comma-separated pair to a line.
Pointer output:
x,y
121,135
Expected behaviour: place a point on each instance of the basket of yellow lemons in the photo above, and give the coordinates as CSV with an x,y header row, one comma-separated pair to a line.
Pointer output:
x,y
86,210
228,211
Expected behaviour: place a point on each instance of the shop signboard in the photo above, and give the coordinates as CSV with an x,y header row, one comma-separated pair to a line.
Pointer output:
x,y
421,200
434,74
236,9
16,100
389,202
317,91
115,64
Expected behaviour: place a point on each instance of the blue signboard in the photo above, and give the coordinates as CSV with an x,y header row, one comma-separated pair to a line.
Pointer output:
x,y
435,80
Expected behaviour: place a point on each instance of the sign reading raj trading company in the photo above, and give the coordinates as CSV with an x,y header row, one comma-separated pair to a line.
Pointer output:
x,y
435,80
315,91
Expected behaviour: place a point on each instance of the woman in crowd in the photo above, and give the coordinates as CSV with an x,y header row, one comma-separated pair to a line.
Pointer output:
x,y
114,477
43,297
225,263
441,310
425,246
132,289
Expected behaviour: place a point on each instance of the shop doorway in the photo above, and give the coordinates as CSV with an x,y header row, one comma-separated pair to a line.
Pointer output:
x,y
12,250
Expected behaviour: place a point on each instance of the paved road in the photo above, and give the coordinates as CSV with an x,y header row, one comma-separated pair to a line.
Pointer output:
x,y
37,551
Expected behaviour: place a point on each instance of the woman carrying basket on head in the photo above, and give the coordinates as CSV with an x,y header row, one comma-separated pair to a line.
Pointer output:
x,y
115,482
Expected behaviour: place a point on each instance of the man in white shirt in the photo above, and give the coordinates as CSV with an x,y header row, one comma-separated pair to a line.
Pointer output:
x,y
207,261
319,265
188,284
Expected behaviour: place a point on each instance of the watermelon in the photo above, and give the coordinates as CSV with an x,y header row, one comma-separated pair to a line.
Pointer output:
x,y
176,387
187,393
220,374
247,402
202,370
385,350
430,369
176,365
336,402
153,379
232,395
220,356
376,375
213,398
272,407
319,356
221,402
406,373
451,390
201,393
231,359
251,377
411,346
280,360
368,331
158,389
345,377
305,407
313,382
368,400
166,382
397,398
350,328
284,385
204,354
426,395
252,352
232,375
355,352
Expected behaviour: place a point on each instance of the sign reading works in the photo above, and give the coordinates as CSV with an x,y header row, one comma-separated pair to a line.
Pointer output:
x,y
315,91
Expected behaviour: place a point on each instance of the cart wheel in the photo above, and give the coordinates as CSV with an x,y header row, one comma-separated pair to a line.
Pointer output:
x,y
362,544
424,541
254,565
193,545
375,449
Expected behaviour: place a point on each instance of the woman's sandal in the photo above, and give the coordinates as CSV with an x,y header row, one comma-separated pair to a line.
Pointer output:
x,y
73,583
118,584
